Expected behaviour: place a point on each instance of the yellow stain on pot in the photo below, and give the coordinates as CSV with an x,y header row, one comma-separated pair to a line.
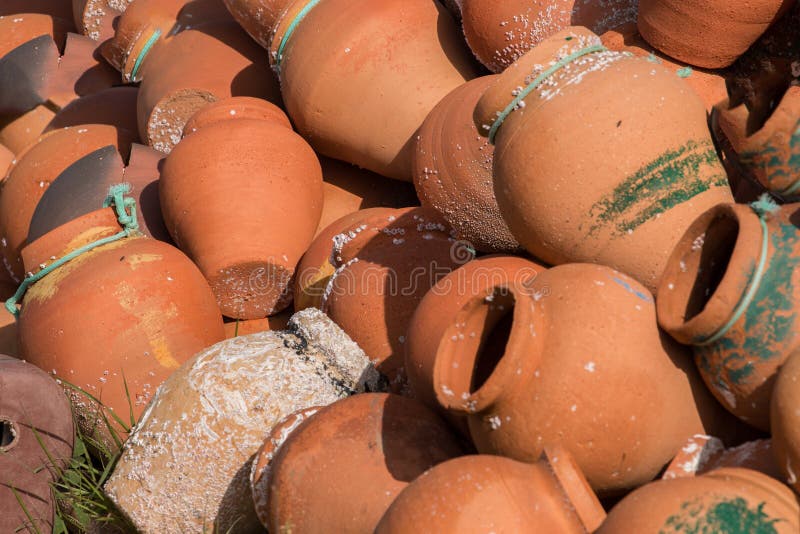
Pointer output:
x,y
48,286
134,260
150,321
311,293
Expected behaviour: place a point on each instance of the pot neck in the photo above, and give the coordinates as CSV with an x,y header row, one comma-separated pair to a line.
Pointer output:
x,y
287,24
715,272
492,346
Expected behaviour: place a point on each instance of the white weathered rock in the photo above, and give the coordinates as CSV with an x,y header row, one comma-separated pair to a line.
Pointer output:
x,y
185,467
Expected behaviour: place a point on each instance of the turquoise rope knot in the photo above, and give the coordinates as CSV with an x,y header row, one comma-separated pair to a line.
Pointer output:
x,y
125,208
539,81
764,207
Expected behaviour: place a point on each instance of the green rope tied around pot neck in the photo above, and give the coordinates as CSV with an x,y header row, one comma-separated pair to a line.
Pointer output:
x,y
142,54
125,208
764,207
291,29
537,82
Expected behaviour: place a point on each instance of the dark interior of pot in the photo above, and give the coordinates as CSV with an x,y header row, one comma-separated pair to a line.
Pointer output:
x,y
496,332
716,250
8,434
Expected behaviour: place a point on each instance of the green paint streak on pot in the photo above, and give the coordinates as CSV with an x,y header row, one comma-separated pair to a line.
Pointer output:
x,y
685,72
728,516
776,165
669,180
770,322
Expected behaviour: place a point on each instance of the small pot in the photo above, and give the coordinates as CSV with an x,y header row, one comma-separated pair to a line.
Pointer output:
x,y
36,439
192,69
627,208
530,364
710,34
725,500
499,33
769,152
729,291
453,170
248,255
341,469
496,494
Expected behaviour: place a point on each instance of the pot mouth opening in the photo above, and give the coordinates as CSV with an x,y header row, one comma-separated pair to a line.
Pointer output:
x,y
471,357
492,348
8,435
716,250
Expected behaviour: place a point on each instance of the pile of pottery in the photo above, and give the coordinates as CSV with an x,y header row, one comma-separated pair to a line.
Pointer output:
x,y
401,265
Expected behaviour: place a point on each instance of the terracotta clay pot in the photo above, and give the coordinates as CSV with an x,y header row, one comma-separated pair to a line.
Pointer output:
x,y
262,464
146,305
349,98
18,132
453,170
496,494
627,208
383,266
728,291
743,184
711,33
36,438
237,107
341,469
441,304
18,28
770,152
33,172
784,418
146,23
317,265
95,18
709,85
58,10
500,32
84,185
193,68
115,106
248,255
702,454
37,73
725,500
574,357
348,189
227,398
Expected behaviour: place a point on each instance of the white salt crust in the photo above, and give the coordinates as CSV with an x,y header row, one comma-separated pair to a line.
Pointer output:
x,y
186,465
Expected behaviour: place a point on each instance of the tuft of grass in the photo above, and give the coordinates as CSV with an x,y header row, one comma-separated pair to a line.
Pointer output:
x,y
81,503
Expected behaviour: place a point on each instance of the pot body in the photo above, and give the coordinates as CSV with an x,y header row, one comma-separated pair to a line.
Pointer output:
x,y
247,254
500,32
707,33
494,494
725,500
343,467
730,291
534,365
35,427
453,170
348,69
567,182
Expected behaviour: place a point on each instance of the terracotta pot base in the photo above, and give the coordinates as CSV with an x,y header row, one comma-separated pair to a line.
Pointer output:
x,y
252,290
169,117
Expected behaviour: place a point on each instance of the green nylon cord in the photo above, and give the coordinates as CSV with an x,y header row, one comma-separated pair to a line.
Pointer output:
x,y
125,208
291,29
537,82
143,53
763,207
791,190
